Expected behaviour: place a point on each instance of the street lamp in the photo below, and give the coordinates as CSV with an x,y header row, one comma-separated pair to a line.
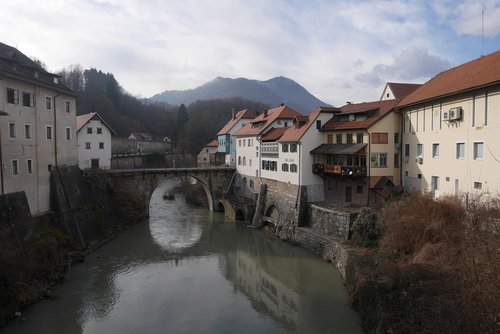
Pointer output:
x,y
2,113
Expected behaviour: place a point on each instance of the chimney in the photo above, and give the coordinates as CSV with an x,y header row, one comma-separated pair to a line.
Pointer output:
x,y
234,113
265,113
282,104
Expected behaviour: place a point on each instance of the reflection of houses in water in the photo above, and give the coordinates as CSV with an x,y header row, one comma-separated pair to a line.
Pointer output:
x,y
266,290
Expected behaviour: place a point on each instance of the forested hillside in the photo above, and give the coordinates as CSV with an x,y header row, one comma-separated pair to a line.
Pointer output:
x,y
189,127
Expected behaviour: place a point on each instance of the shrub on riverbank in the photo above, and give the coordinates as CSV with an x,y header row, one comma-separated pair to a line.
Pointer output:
x,y
436,269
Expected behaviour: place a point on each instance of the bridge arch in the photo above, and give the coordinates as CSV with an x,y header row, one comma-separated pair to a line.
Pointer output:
x,y
271,214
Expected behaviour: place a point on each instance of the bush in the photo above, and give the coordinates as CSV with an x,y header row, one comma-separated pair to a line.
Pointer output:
x,y
365,229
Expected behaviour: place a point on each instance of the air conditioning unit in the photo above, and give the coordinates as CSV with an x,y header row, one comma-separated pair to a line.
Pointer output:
x,y
419,159
455,113
446,116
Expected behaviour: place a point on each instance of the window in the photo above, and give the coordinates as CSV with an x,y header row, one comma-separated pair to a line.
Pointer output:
x,y
68,107
87,145
27,99
478,185
68,133
359,138
396,138
349,138
12,96
27,131
478,151
329,139
244,161
12,130
284,148
244,141
249,162
89,131
359,189
15,167
379,159
99,131
248,142
48,102
29,166
407,151
396,160
293,168
460,153
49,132
239,160
379,138
293,147
49,168
284,167
339,138
420,150
435,150
318,124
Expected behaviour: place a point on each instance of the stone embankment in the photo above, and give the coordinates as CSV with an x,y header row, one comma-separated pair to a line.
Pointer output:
x,y
37,252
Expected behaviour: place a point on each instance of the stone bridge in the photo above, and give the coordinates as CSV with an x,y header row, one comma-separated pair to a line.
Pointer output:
x,y
215,181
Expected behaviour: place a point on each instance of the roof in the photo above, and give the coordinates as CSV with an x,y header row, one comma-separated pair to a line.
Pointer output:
x,y
82,120
242,114
213,143
274,134
303,123
15,64
338,148
379,108
264,120
142,135
400,90
478,73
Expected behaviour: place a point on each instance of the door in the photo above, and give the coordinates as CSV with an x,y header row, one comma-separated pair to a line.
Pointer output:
x,y
435,186
94,163
348,194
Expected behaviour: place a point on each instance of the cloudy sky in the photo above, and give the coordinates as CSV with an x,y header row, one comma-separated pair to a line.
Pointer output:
x,y
339,50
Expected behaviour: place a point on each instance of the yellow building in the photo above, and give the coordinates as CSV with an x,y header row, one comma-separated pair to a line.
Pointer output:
x,y
451,131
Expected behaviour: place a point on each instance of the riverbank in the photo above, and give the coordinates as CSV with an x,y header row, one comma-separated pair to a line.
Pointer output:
x,y
417,265
37,252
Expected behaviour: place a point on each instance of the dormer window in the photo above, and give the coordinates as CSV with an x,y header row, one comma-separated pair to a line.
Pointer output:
x,y
37,74
56,80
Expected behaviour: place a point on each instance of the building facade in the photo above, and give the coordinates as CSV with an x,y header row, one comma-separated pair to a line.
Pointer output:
x,y
37,127
225,138
451,128
94,142
209,156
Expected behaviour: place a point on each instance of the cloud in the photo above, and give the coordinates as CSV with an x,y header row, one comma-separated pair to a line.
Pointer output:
x,y
410,65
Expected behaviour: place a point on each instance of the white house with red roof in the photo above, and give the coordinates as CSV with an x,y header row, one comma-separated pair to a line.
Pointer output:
x,y
451,128
94,142
209,155
225,138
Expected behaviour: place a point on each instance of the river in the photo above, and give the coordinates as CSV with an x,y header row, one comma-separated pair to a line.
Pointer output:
x,y
187,270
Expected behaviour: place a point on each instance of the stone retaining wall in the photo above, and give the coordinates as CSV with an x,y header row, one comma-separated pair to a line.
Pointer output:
x,y
334,223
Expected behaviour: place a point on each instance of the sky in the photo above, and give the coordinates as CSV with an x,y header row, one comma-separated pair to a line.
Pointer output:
x,y
338,50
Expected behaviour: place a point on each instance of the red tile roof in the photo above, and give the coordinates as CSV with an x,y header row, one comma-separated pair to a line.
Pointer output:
x,y
274,134
400,90
84,119
478,73
260,124
213,143
242,114
380,108
302,123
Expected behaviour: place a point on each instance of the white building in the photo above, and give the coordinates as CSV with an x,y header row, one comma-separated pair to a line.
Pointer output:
x,y
451,131
276,146
94,142
225,138
37,127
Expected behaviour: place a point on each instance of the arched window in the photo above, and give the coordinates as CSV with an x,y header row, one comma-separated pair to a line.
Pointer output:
x,y
293,148
293,168
239,160
284,167
284,148
244,161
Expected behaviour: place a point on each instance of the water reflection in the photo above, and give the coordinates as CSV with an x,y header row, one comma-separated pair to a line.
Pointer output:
x,y
173,224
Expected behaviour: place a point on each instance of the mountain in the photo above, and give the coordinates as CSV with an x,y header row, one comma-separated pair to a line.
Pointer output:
x,y
271,92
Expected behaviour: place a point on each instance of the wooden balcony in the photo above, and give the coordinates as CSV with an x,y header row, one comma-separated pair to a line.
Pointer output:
x,y
322,169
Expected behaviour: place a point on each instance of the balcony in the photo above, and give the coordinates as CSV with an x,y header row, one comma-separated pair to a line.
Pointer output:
x,y
322,169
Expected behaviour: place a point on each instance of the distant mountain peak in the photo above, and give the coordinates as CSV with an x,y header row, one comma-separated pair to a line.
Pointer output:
x,y
271,92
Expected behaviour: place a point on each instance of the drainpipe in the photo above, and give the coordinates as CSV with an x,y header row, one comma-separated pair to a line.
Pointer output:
x,y
55,132
2,113
368,164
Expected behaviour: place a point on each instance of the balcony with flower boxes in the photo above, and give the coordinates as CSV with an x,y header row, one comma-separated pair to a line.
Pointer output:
x,y
322,169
